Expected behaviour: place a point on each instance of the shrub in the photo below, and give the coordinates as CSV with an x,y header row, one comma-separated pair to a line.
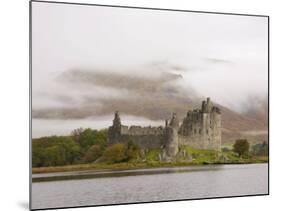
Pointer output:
x,y
260,149
115,153
133,151
93,153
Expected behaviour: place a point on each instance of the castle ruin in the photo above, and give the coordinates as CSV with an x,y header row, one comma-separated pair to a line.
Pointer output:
x,y
200,128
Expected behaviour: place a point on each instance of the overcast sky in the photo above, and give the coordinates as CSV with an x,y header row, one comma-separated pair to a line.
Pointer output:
x,y
75,48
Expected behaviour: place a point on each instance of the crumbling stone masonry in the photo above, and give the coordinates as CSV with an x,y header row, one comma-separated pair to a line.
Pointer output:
x,y
200,128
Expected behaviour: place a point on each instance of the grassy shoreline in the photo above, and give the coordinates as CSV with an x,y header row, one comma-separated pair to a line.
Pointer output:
x,y
139,165
187,156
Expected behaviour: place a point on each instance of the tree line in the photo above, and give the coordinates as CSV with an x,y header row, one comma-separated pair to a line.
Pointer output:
x,y
87,146
82,146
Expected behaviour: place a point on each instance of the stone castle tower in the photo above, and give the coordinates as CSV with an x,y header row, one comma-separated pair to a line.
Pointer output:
x,y
200,128
171,144
114,132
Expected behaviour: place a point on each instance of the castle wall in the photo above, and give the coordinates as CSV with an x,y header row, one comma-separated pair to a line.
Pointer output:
x,y
202,131
144,137
143,141
138,130
201,128
191,141
216,135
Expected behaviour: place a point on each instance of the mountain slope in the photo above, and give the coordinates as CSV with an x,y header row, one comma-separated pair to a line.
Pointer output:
x,y
236,125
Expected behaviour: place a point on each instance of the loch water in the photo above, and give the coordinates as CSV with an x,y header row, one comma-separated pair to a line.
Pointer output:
x,y
176,183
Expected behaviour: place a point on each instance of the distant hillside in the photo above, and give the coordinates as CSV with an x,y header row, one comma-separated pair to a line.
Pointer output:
x,y
235,125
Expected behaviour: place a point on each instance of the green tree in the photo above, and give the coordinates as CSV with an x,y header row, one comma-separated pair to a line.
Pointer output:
x,y
91,137
54,151
37,157
54,156
76,134
241,147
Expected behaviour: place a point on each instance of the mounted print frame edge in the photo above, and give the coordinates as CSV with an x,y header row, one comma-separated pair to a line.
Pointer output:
x,y
114,137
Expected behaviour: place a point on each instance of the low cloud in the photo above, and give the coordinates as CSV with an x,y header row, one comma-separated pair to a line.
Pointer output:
x,y
153,96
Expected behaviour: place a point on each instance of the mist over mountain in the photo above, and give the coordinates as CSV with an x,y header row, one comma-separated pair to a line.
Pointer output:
x,y
257,107
79,94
